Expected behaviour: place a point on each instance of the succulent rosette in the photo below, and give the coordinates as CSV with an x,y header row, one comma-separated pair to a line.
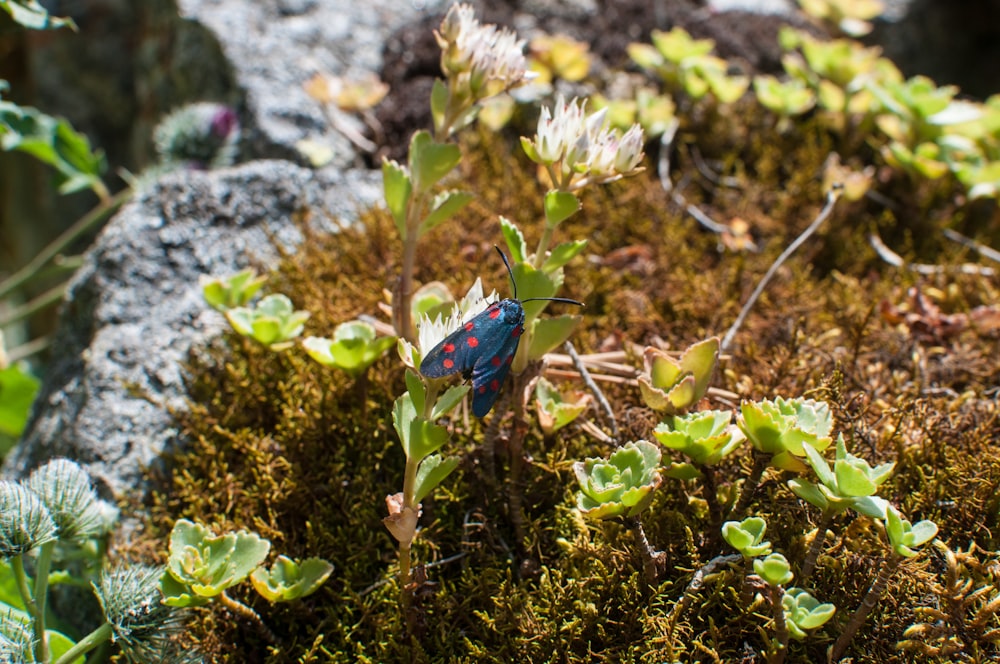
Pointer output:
x,y
621,485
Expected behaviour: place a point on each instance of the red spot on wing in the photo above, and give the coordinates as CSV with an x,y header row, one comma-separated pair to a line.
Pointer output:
x,y
448,348
517,331
495,312
469,326
494,385
496,361
472,341
482,389
448,364
510,359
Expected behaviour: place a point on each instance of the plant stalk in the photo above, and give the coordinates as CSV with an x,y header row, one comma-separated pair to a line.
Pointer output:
x,y
243,611
100,635
57,246
515,450
867,604
46,299
41,594
543,246
780,627
814,549
402,314
712,499
21,578
653,561
760,463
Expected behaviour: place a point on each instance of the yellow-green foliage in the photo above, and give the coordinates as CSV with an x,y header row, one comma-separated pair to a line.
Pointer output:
x,y
305,456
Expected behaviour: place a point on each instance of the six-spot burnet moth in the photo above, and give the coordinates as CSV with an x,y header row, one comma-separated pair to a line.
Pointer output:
x,y
484,347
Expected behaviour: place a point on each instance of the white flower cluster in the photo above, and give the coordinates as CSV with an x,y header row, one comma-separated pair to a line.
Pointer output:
x,y
580,149
482,59
430,332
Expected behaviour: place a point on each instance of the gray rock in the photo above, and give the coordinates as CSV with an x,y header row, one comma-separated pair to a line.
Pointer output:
x,y
135,311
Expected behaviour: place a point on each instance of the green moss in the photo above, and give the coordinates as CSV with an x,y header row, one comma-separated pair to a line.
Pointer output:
x,y
305,456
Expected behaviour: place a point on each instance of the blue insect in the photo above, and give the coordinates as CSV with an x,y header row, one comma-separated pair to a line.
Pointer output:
x,y
484,347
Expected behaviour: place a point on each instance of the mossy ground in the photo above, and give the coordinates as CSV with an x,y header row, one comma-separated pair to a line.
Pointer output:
x,y
305,456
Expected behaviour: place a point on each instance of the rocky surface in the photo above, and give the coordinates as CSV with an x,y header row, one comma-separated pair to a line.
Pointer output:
x,y
135,310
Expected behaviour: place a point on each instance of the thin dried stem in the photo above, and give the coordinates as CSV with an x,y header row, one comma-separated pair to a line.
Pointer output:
x,y
592,386
831,199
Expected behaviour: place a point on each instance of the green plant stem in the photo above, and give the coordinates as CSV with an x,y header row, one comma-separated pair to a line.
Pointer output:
x,y
48,298
780,627
814,549
100,635
245,612
409,481
57,246
409,486
760,463
543,246
21,578
41,594
402,314
867,604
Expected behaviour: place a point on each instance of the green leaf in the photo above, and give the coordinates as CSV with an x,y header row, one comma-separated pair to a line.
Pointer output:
x,y
54,142
563,254
403,414
533,283
820,467
774,569
809,492
549,333
417,391
397,189
208,564
426,437
439,102
178,594
515,240
559,206
447,401
444,207
288,580
17,392
430,161
431,472
34,16
60,644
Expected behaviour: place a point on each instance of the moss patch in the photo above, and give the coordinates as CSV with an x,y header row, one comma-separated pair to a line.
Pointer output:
x,y
305,456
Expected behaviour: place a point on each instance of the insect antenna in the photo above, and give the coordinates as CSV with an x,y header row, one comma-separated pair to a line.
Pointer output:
x,y
509,271
530,299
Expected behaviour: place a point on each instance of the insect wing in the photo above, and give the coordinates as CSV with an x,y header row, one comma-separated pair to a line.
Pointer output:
x,y
491,370
459,351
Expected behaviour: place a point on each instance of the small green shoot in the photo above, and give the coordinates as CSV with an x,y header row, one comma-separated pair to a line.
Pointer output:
x,y
354,347
621,485
287,579
273,322
236,290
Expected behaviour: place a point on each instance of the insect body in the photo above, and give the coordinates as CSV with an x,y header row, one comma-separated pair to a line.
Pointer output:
x,y
483,348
